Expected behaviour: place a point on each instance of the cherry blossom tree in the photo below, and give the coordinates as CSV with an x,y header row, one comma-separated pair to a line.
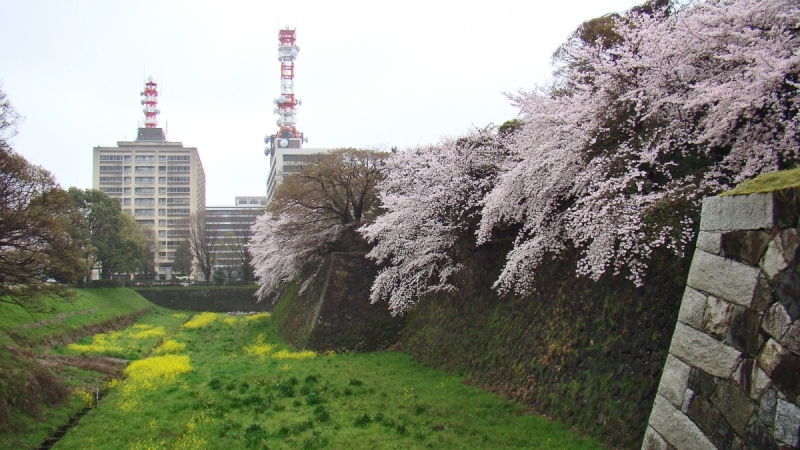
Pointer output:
x,y
431,197
616,154
322,199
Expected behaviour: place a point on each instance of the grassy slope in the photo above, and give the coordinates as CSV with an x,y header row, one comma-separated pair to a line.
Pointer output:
x,y
86,307
25,430
233,399
768,182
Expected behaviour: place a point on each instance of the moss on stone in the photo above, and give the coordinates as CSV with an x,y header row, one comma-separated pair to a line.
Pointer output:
x,y
768,182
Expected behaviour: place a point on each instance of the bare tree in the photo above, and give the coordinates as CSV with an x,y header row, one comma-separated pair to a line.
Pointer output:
x,y
242,224
203,242
147,265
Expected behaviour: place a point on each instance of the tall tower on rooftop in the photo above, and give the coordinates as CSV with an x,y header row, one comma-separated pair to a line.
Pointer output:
x,y
287,143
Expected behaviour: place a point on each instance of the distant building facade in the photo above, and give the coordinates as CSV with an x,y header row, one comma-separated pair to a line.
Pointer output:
x,y
228,228
160,183
281,161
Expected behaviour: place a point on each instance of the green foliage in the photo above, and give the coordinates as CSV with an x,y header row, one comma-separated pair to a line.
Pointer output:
x,y
219,277
115,242
768,182
183,259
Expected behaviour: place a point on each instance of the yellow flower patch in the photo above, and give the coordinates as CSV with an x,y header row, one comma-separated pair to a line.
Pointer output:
x,y
230,321
286,354
170,346
86,398
151,333
101,343
179,316
149,374
200,320
258,316
260,348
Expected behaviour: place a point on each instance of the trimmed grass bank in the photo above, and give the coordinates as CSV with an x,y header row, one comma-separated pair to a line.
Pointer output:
x,y
228,382
43,382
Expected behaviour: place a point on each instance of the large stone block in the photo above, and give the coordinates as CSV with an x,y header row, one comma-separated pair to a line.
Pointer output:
x,y
776,321
701,350
752,378
788,241
787,423
787,288
676,428
743,331
717,317
766,409
709,242
734,404
791,339
674,380
723,278
711,422
771,356
693,307
653,441
739,212
773,262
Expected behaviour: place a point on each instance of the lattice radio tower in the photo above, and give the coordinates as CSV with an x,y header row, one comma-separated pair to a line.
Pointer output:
x,y
286,104
150,102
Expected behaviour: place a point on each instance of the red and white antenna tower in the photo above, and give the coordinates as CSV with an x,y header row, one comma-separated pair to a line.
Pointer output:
x,y
286,104
150,102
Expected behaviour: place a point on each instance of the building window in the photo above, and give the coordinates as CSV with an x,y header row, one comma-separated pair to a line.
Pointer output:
x,y
111,190
126,201
127,191
162,158
127,169
144,201
145,180
110,157
178,201
162,190
145,158
162,169
178,179
127,158
144,212
178,190
111,179
145,191
145,169
184,169
162,180
178,158
148,223
162,233
110,168
162,212
162,201
162,254
178,211
127,180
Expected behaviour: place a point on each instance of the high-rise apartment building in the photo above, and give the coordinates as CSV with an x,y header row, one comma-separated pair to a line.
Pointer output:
x,y
160,183
282,160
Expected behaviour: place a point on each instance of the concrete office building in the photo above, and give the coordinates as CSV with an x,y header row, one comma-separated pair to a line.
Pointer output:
x,y
160,183
228,228
281,161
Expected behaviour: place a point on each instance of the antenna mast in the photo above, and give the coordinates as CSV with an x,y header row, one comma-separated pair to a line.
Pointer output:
x,y
286,104
150,102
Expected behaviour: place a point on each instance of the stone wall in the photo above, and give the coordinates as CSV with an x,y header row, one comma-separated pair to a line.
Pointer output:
x,y
732,376
211,299
333,311
587,353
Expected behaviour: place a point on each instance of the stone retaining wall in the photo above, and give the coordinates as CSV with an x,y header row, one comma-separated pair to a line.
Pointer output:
x,y
732,376
211,299
333,312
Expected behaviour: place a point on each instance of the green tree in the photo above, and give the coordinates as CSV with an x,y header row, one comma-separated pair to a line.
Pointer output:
x,y
37,236
219,276
115,243
183,259
147,264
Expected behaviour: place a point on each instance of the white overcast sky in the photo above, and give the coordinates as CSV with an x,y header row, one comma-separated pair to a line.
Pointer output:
x,y
370,74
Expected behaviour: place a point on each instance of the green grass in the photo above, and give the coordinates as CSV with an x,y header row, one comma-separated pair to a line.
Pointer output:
x,y
240,394
86,307
768,182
